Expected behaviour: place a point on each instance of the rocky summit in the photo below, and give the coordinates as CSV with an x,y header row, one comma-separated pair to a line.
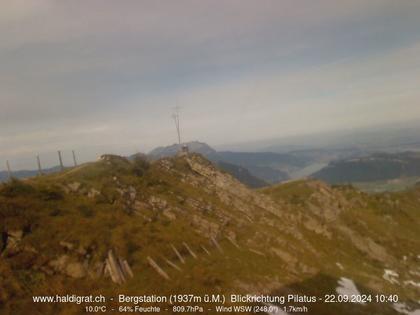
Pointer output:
x,y
180,224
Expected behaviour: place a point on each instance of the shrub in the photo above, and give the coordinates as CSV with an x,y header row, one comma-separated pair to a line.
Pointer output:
x,y
86,211
51,193
55,212
16,188
140,166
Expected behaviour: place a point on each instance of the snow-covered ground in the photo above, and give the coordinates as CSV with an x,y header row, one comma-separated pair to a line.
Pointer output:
x,y
347,287
391,276
403,309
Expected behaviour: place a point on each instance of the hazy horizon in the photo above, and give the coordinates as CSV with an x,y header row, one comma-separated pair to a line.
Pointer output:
x,y
319,140
104,76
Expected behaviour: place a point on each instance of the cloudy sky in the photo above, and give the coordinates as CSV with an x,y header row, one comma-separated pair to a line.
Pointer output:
x,y
103,76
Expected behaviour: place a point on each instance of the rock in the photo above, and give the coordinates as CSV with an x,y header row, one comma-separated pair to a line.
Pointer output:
x,y
112,157
367,245
12,240
74,187
139,205
158,203
169,214
60,264
93,193
132,193
76,270
81,251
16,235
205,226
231,235
66,245
65,265
48,271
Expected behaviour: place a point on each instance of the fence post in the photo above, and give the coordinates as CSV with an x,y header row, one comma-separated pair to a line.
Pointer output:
x,y
9,172
61,160
74,158
39,165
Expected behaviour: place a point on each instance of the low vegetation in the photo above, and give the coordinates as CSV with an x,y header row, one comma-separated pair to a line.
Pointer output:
x,y
302,236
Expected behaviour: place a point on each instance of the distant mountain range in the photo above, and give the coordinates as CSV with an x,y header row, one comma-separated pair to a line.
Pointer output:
x,y
172,150
375,167
253,169
391,138
334,166
260,169
4,175
256,169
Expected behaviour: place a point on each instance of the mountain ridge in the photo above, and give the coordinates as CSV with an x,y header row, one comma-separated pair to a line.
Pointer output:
x,y
373,167
284,238
266,167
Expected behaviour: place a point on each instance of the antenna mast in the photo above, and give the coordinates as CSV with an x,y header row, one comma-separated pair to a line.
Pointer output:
x,y
175,116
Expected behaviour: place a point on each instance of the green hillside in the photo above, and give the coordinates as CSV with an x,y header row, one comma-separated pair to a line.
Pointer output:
x,y
375,167
299,237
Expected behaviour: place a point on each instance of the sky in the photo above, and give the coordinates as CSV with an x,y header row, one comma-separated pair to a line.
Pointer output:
x,y
104,76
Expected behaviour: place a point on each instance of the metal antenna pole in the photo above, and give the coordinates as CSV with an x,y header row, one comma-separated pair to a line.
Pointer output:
x,y
175,116
179,130
60,160
9,172
39,165
74,158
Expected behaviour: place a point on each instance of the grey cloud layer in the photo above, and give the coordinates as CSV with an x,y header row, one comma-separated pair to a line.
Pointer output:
x,y
111,69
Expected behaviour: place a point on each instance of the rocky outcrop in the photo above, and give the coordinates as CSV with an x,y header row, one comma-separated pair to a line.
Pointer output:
x,y
11,241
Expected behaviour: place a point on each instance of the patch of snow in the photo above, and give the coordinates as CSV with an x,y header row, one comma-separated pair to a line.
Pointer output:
x,y
403,309
391,276
347,287
411,282
339,266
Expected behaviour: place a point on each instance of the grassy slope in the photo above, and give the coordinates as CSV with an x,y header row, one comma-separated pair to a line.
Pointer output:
x,y
296,258
390,219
